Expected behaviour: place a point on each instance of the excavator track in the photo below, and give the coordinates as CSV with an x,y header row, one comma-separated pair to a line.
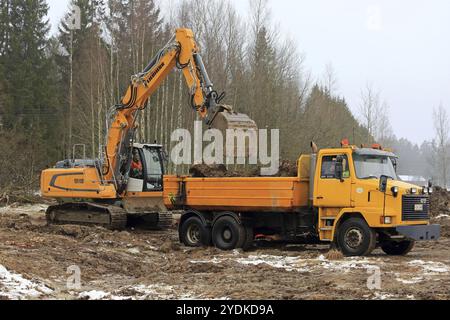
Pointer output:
x,y
88,214
151,220
165,220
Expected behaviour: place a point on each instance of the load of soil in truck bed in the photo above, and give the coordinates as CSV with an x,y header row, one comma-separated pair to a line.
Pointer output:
x,y
440,202
286,169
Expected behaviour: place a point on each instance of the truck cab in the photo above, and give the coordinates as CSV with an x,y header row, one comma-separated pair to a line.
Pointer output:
x,y
361,200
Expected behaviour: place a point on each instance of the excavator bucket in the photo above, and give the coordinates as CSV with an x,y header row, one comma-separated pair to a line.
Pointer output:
x,y
229,119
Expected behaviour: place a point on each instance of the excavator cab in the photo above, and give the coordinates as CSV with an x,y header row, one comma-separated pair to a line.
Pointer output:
x,y
147,168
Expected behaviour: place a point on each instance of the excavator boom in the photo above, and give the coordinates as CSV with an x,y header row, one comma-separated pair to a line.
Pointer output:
x,y
181,52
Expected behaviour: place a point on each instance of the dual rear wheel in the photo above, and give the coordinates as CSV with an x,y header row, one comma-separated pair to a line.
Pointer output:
x,y
226,234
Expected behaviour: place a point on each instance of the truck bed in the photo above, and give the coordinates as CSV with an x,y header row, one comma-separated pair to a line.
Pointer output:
x,y
255,194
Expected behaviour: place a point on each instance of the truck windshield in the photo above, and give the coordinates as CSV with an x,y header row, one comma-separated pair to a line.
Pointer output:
x,y
373,166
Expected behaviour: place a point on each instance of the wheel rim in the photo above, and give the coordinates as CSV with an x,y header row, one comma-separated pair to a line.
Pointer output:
x,y
354,238
193,234
227,235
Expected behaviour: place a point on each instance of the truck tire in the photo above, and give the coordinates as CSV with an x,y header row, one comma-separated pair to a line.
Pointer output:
x,y
228,234
356,238
194,233
397,248
249,238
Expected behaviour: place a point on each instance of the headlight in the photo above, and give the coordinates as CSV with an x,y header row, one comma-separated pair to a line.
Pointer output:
x,y
413,190
387,220
425,190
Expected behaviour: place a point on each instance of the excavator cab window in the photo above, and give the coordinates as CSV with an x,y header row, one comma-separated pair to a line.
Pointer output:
x,y
137,170
153,169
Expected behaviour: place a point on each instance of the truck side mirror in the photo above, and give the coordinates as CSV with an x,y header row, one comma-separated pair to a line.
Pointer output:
x,y
339,168
395,164
430,184
383,183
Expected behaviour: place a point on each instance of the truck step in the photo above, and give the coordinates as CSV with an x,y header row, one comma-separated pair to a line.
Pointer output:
x,y
328,218
326,229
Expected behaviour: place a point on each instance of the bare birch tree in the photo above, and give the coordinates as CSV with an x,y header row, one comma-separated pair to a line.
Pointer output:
x,y
370,110
442,143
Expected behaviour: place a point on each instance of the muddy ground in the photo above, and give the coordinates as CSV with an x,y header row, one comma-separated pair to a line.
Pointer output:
x,y
35,259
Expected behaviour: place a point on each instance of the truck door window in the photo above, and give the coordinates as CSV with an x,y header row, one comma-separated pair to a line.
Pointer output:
x,y
328,170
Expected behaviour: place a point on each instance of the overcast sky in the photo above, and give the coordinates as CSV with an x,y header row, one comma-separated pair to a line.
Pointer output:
x,y
401,47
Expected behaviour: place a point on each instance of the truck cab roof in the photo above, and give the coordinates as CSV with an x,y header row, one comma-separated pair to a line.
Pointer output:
x,y
374,152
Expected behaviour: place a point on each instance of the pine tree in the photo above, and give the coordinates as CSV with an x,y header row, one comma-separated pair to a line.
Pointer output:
x,y
28,90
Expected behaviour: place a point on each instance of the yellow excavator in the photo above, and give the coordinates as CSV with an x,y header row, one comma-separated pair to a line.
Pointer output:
x,y
106,191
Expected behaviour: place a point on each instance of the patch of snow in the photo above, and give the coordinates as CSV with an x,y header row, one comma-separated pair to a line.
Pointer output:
x,y
430,266
383,296
154,292
134,251
413,280
153,248
15,287
297,264
141,292
160,291
443,216
214,260
28,208
94,295
347,264
278,262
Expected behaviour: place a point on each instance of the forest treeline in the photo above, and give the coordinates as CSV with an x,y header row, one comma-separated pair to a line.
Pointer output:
x,y
56,90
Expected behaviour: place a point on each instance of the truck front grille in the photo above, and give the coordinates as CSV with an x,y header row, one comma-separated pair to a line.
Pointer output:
x,y
415,208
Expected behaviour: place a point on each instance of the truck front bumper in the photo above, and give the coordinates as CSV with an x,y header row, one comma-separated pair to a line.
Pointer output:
x,y
420,233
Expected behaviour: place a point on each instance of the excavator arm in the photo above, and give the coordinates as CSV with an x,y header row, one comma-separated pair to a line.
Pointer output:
x,y
181,52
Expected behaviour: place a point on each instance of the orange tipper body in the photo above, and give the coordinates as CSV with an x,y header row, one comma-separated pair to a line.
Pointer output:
x,y
237,194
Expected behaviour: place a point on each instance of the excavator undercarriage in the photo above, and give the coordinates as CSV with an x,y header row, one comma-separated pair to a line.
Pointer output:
x,y
108,216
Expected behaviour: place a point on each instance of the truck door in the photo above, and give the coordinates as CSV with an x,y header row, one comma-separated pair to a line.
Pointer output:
x,y
331,190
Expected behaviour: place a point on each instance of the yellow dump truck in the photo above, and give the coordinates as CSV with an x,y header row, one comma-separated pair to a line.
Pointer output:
x,y
349,197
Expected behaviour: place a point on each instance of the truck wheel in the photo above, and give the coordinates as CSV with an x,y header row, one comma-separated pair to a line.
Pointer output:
x,y
356,238
396,248
193,233
249,238
228,234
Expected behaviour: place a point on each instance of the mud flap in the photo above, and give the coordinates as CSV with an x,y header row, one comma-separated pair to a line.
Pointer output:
x,y
420,233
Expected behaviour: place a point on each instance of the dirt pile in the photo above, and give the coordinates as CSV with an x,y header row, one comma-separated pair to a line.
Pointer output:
x,y
205,171
286,169
440,202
